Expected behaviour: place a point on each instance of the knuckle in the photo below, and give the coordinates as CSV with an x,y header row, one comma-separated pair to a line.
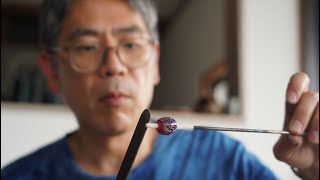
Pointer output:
x,y
311,95
279,152
277,156
280,156
276,152
301,114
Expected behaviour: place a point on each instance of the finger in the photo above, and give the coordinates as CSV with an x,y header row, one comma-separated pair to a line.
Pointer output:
x,y
313,135
289,150
286,148
298,84
303,112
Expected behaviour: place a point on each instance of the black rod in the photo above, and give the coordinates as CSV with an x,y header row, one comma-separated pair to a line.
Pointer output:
x,y
134,146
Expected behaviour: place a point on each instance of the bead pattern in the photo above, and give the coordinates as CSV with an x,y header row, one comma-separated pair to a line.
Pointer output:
x,y
166,125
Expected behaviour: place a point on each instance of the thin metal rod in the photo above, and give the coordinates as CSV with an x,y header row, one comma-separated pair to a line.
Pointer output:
x,y
191,127
240,130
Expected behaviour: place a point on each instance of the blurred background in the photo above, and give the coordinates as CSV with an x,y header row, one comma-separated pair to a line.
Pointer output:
x,y
223,62
199,53
196,36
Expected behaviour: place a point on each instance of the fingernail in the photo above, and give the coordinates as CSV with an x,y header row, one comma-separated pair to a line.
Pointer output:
x,y
295,126
314,136
292,97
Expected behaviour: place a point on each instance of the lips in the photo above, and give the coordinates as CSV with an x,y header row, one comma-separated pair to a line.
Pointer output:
x,y
114,99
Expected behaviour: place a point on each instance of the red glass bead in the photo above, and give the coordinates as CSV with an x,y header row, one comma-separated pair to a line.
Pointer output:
x,y
166,125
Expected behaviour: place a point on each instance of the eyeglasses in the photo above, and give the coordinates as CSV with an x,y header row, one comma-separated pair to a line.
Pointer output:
x,y
87,57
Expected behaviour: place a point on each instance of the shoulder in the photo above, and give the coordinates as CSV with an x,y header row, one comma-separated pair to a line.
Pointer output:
x,y
35,163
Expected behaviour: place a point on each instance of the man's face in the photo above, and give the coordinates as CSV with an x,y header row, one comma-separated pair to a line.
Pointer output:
x,y
110,99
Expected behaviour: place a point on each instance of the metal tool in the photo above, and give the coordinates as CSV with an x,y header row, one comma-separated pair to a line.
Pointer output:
x,y
167,125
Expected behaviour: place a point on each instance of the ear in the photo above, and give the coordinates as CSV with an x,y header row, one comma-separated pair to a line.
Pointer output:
x,y
156,75
50,73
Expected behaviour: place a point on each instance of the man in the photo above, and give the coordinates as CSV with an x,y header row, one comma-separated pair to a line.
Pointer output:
x,y
102,56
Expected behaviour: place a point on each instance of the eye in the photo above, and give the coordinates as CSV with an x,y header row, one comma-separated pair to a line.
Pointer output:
x,y
85,48
130,45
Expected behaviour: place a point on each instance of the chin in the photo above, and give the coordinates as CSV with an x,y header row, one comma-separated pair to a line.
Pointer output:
x,y
116,130
117,123
111,120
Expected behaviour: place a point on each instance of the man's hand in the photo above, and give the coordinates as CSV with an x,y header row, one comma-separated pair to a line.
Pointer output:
x,y
302,117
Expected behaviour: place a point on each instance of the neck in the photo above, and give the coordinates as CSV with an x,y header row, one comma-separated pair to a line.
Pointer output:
x,y
103,155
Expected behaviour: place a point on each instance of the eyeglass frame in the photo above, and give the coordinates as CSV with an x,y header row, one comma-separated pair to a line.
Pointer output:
x,y
55,49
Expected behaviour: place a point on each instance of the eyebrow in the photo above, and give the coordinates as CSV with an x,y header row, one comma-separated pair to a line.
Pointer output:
x,y
128,30
125,30
83,32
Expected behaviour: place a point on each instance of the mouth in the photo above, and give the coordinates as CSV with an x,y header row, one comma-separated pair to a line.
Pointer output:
x,y
114,99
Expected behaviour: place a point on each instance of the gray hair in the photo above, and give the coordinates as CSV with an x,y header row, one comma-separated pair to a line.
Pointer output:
x,y
53,13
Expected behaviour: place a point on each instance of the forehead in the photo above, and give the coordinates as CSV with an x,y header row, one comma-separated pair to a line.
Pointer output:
x,y
102,16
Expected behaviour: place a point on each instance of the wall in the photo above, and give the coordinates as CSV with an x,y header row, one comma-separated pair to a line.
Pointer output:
x,y
269,55
26,127
192,43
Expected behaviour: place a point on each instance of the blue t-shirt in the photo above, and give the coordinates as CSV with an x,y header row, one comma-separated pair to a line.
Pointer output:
x,y
184,155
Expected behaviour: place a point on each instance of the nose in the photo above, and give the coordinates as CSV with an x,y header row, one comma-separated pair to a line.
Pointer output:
x,y
111,64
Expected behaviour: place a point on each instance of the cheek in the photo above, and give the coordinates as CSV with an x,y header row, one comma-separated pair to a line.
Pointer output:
x,y
145,84
75,89
80,99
